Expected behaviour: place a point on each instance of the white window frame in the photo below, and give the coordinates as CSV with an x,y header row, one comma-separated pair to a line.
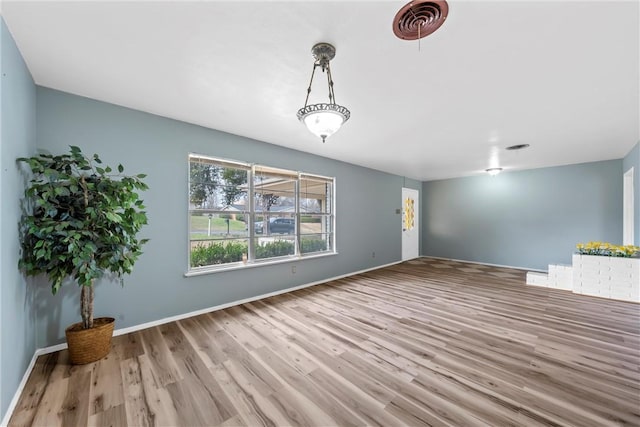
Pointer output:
x,y
252,213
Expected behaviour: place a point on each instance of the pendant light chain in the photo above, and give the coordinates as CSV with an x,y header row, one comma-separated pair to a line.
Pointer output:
x,y
313,71
325,68
332,97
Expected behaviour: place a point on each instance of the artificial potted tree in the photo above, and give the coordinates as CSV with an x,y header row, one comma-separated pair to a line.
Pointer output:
x,y
81,223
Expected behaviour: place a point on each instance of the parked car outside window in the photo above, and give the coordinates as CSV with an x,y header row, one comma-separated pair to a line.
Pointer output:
x,y
277,225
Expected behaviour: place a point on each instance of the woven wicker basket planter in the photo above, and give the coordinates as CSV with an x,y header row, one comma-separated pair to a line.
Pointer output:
x,y
89,345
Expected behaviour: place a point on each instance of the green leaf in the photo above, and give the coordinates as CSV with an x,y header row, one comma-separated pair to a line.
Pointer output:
x,y
114,217
62,191
120,168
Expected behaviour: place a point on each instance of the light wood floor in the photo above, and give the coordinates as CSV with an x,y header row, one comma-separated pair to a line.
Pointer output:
x,y
426,342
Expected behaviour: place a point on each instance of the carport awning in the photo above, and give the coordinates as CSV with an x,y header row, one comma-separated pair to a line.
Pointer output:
x,y
283,187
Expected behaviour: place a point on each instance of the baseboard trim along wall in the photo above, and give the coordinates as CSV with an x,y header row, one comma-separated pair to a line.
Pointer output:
x,y
485,263
135,328
23,383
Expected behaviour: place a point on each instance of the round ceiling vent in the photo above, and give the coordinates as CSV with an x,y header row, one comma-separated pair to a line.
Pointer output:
x,y
419,18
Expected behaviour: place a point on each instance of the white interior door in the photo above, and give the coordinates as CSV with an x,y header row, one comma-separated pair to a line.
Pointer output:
x,y
410,224
627,209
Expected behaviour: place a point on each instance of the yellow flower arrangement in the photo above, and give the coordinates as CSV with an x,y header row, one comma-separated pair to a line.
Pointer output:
x,y
607,249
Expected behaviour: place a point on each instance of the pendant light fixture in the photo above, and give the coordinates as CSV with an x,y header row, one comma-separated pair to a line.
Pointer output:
x,y
323,120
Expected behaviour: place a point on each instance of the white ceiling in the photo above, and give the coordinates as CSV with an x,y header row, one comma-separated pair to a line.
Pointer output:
x,y
561,76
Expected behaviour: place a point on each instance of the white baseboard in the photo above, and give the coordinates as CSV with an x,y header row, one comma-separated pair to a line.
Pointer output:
x,y
485,263
239,302
135,328
16,396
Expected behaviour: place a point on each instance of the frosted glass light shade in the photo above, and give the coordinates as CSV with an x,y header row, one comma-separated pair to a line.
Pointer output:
x,y
323,120
323,124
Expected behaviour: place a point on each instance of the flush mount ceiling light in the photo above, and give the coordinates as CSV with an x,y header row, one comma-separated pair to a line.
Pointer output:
x,y
493,171
323,120
419,18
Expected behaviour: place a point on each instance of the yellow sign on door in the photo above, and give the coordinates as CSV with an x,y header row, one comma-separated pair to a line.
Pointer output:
x,y
408,217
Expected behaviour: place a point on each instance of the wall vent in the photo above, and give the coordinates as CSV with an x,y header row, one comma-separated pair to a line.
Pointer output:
x,y
517,147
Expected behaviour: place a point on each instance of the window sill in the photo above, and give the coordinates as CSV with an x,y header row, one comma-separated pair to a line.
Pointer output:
x,y
199,271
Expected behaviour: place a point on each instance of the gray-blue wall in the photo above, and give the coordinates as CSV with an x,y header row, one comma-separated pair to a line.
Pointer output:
x,y
17,138
525,219
632,160
144,143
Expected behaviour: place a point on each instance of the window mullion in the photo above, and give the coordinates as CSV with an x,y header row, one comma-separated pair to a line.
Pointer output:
x,y
298,243
333,215
252,216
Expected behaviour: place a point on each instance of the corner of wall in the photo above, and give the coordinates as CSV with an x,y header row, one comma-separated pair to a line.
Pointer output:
x,y
17,138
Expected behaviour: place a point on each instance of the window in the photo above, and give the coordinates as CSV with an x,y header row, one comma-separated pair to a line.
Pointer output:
x,y
246,214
